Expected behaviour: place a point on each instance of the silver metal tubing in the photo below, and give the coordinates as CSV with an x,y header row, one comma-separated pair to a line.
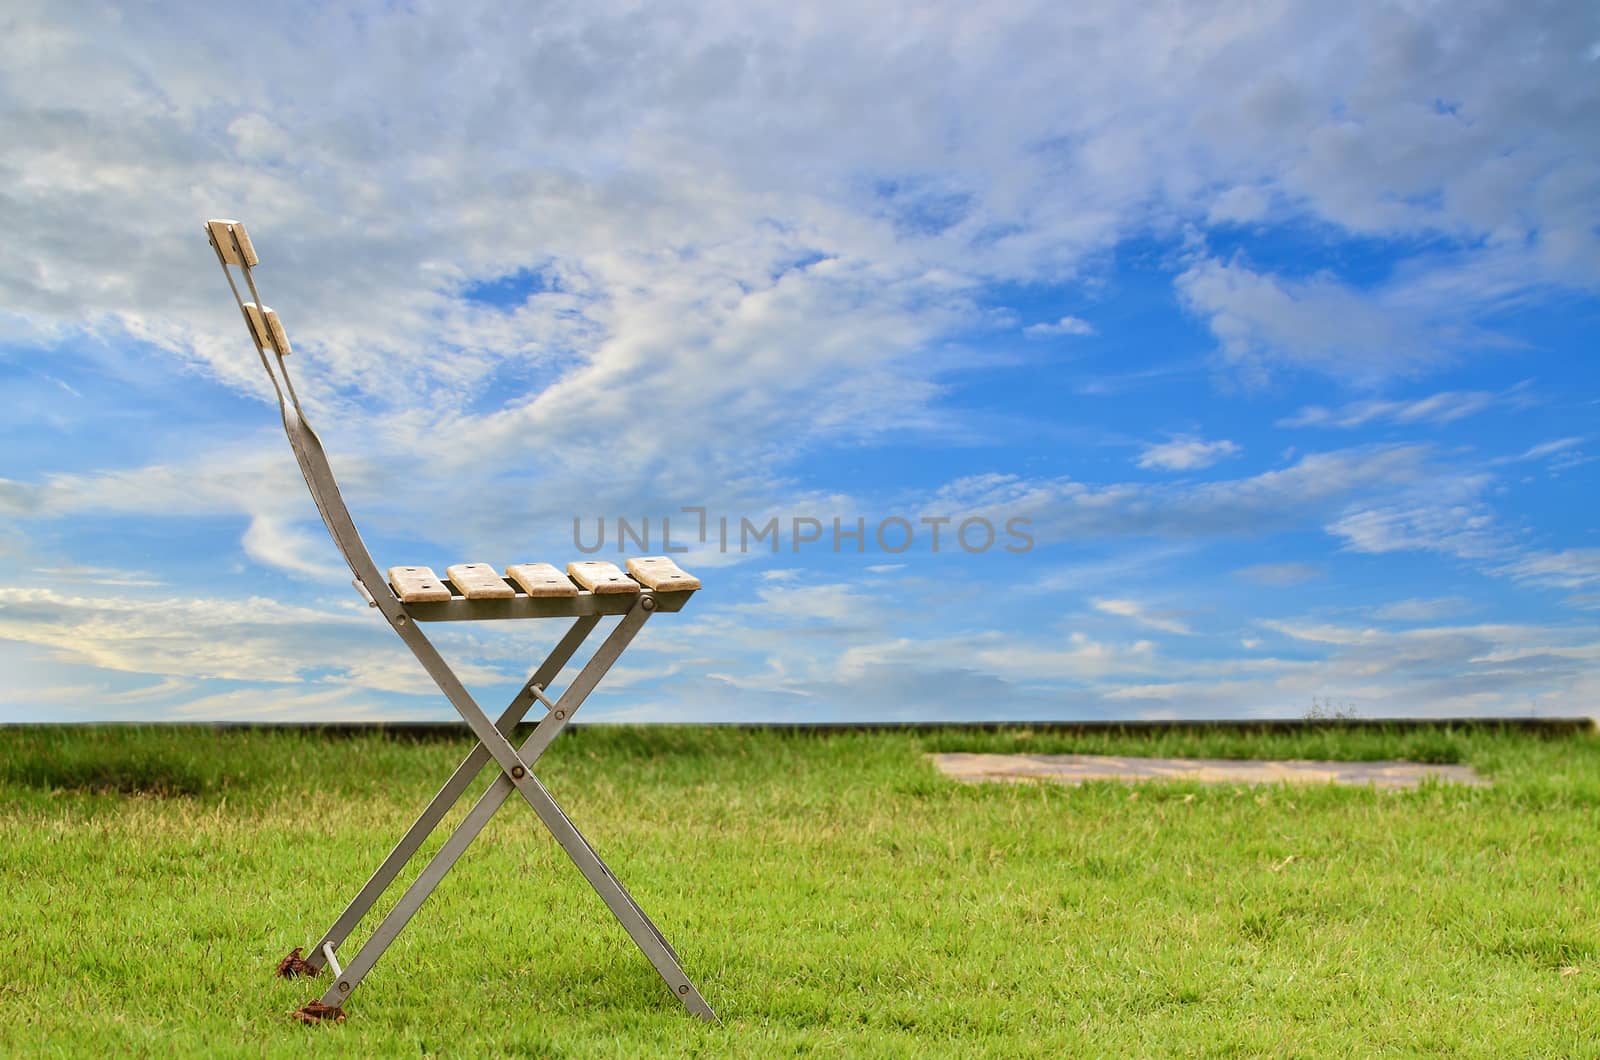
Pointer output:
x,y
452,791
640,928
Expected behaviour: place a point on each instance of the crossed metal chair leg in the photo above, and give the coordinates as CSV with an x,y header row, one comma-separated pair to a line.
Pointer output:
x,y
640,928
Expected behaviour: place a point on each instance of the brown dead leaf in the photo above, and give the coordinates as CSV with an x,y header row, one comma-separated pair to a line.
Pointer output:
x,y
294,966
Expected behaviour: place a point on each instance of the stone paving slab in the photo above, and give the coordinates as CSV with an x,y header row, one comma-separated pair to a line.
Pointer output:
x,y
1075,769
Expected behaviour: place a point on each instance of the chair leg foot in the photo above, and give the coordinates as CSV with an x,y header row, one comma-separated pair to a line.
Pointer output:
x,y
317,1012
294,966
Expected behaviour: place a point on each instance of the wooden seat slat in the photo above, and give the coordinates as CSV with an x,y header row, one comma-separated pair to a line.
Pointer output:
x,y
541,580
417,585
598,576
478,581
661,574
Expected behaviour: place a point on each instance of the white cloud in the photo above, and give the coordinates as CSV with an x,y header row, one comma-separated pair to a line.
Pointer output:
x,y
1466,531
259,481
1551,448
1165,621
1573,568
1185,453
688,189
249,638
1444,407
1431,671
1240,204
304,705
1313,487
1445,514
291,549
1067,325
1075,658
104,576
837,605
1081,658
1430,312
1280,575
1560,454
1317,323
17,498
224,639
1419,609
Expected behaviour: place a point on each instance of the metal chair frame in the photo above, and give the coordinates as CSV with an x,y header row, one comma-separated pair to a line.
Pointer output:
x,y
234,250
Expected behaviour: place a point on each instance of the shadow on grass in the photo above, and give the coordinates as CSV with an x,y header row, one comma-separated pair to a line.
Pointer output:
x,y
132,775
120,762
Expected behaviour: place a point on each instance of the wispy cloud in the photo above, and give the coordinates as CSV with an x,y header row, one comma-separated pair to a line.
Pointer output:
x,y
107,576
1444,407
1414,324
1573,568
290,548
1165,621
1551,448
1423,609
1067,325
1261,321
1303,493
249,638
1186,453
1559,454
1280,575
1465,530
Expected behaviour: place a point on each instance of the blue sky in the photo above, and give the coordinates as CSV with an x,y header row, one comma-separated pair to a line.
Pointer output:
x,y
1273,328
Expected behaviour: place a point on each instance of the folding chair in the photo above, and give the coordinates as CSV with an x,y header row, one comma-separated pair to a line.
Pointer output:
x,y
587,592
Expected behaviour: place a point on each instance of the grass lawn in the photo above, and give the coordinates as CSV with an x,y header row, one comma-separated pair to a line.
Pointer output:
x,y
830,895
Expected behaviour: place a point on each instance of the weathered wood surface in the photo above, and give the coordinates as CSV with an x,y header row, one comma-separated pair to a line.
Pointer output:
x,y
267,328
598,576
417,585
478,581
661,574
275,332
225,233
541,579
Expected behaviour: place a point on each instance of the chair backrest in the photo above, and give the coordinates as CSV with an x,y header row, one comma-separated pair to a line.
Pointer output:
x,y
233,246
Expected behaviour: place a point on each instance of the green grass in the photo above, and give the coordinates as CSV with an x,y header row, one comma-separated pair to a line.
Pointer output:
x,y
831,895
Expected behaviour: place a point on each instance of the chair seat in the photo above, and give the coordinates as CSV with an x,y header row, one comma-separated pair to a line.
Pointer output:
x,y
539,590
